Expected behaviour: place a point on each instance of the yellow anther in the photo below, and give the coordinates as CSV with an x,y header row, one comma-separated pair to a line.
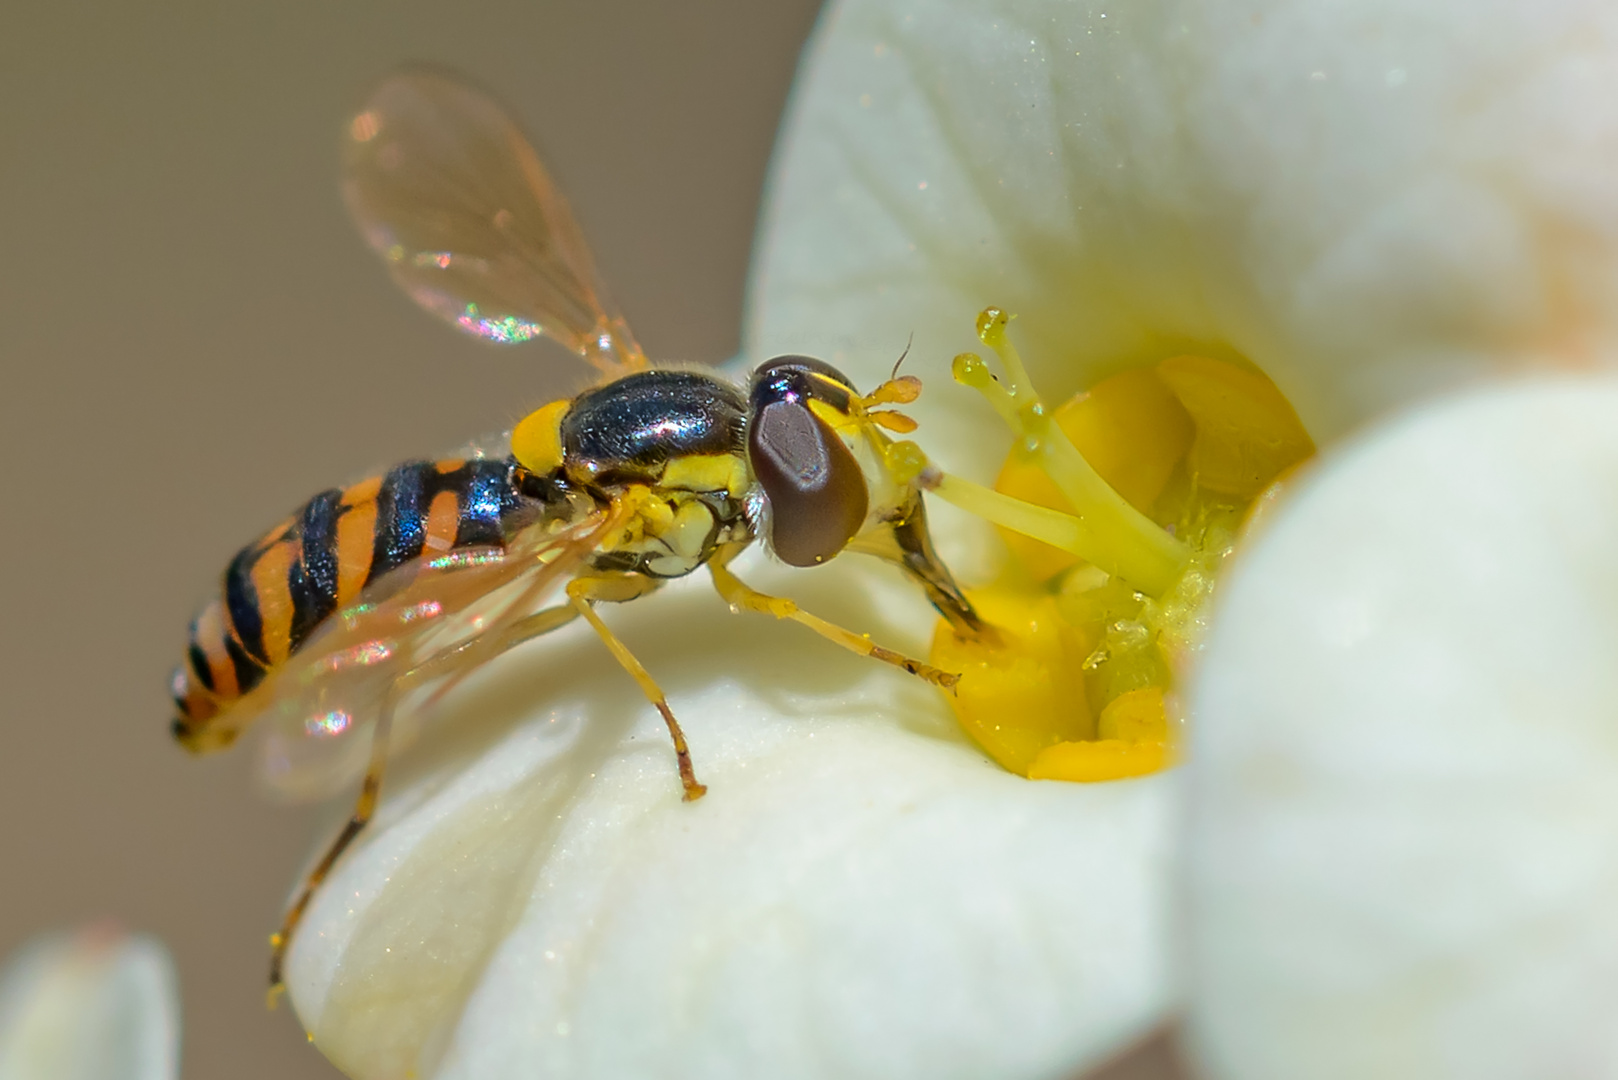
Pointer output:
x,y
1247,433
1138,716
1024,692
1102,759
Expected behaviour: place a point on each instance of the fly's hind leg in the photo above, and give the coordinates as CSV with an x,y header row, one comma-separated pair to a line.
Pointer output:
x,y
743,597
490,643
582,592
364,807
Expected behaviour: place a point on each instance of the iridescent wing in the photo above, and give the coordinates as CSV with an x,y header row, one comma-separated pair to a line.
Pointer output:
x,y
452,196
313,714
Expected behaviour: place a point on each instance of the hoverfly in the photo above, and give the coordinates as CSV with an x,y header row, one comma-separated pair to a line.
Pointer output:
x,y
325,622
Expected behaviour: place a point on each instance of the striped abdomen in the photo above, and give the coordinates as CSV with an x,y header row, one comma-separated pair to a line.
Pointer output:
x,y
278,590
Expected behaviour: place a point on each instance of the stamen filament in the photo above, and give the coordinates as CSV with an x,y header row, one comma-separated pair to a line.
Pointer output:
x,y
1059,530
1109,532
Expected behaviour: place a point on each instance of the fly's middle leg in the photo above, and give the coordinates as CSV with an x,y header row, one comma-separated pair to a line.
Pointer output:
x,y
582,592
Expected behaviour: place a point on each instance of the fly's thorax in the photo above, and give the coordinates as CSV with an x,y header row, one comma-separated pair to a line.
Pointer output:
x,y
665,447
633,429
679,430
669,532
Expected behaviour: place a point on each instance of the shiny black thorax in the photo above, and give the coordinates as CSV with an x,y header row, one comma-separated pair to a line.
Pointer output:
x,y
630,431
630,428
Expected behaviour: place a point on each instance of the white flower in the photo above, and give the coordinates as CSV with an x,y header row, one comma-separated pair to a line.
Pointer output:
x,y
1405,832
1374,202
94,1006
1402,819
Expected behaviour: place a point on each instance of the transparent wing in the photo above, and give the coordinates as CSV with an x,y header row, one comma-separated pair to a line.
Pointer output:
x,y
452,196
312,717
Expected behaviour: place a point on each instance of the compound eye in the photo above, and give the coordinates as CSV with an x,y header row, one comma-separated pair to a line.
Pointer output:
x,y
815,487
802,376
797,365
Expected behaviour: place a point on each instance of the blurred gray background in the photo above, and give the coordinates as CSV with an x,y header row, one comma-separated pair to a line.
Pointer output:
x,y
193,340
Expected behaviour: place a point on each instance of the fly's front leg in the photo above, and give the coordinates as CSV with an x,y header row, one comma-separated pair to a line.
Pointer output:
x,y
743,597
583,592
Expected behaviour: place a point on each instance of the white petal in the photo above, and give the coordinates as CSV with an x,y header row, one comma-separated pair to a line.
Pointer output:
x,y
859,895
1405,820
1369,200
95,1006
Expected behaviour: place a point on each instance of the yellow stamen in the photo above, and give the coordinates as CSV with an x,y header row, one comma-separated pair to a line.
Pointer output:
x,y
1126,502
1133,741
1105,759
1025,692
1064,531
1131,428
1247,431
1119,538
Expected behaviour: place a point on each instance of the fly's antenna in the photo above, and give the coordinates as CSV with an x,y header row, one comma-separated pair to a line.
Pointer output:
x,y
909,341
898,390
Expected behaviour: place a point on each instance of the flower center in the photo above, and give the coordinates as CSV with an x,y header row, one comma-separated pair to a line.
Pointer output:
x,y
1118,508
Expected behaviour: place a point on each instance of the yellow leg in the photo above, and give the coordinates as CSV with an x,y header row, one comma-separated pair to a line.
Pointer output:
x,y
583,591
741,596
364,807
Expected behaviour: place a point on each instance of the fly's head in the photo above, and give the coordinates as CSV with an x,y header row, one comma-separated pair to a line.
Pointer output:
x,y
830,478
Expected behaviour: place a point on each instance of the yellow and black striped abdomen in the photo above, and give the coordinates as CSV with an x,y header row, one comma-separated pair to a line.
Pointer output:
x,y
278,590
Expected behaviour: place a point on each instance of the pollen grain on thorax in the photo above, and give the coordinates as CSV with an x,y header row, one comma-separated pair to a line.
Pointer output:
x,y
1118,509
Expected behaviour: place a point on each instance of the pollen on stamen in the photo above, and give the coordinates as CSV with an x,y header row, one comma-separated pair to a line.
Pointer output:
x,y
1118,509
